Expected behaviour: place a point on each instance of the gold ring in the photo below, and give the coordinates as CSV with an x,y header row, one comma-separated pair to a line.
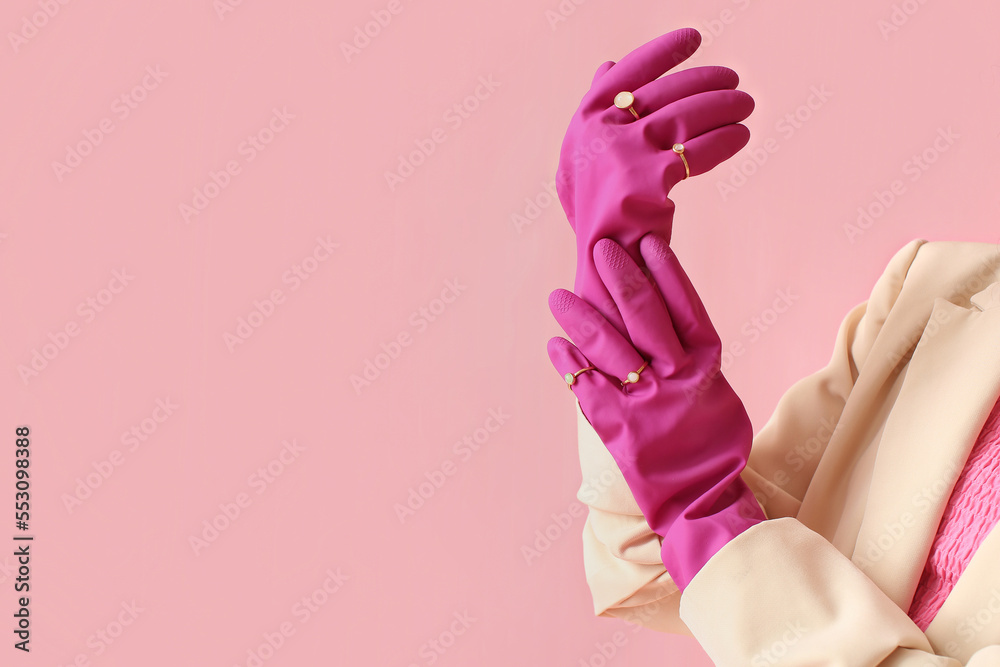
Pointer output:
x,y
571,377
625,100
633,377
679,149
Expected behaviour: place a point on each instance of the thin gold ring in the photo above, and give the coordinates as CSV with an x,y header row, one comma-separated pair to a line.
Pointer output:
x,y
633,377
625,100
571,377
679,149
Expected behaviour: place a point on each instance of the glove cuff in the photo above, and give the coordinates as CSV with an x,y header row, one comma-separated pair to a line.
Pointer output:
x,y
691,541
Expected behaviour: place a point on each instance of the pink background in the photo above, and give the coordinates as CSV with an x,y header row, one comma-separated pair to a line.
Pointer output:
x,y
452,574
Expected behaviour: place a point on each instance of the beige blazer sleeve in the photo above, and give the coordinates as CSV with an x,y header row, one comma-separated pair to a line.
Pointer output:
x,y
779,594
621,553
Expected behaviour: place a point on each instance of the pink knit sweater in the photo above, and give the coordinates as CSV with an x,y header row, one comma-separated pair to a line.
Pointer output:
x,y
972,511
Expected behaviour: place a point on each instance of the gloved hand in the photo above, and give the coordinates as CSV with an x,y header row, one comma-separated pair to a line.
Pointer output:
x,y
679,433
615,171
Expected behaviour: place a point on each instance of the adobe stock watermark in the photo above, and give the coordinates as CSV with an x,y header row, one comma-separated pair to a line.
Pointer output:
x,y
752,329
927,498
420,320
779,648
132,439
454,118
913,168
798,457
264,309
985,275
805,452
224,7
434,648
230,511
973,624
32,23
102,639
787,126
589,322
303,611
900,15
562,12
548,535
248,150
534,206
918,337
121,108
605,652
591,490
464,449
88,310
579,161
366,33
636,618
711,29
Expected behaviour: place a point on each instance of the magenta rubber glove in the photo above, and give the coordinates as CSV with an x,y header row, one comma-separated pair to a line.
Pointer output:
x,y
679,434
615,171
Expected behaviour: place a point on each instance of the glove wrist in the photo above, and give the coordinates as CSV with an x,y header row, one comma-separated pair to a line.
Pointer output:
x,y
691,540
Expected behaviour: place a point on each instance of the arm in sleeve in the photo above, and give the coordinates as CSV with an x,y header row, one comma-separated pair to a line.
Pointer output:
x,y
780,594
621,553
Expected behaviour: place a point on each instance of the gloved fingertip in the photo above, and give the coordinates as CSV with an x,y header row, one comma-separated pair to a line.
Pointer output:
x,y
561,353
605,66
728,76
655,248
561,300
554,345
611,253
691,34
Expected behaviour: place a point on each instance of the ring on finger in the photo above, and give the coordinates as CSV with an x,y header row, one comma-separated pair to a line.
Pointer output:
x,y
571,377
633,377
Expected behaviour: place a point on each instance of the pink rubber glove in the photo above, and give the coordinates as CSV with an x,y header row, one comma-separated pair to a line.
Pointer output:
x,y
679,434
615,171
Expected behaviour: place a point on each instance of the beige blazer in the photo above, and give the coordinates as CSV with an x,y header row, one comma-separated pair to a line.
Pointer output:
x,y
853,471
